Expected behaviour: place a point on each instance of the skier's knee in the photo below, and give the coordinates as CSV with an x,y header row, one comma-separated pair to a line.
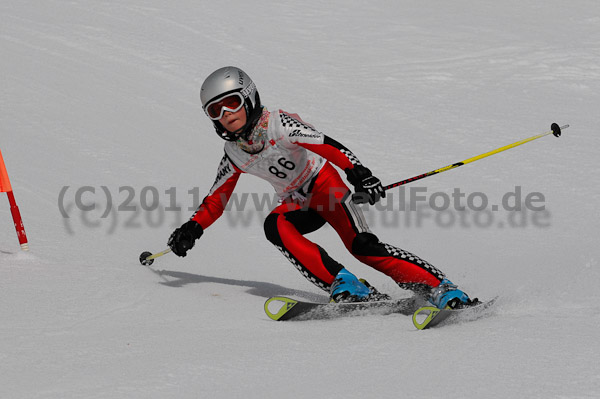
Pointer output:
x,y
366,244
271,231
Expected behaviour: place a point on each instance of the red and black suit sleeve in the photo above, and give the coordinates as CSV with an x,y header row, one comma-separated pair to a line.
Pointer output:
x,y
214,203
334,152
306,136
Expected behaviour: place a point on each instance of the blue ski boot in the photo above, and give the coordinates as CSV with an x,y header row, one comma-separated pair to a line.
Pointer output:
x,y
447,294
347,288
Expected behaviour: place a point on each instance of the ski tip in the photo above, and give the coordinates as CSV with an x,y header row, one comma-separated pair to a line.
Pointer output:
x,y
276,307
423,316
429,316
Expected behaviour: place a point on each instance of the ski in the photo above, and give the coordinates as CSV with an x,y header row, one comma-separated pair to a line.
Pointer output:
x,y
281,308
434,316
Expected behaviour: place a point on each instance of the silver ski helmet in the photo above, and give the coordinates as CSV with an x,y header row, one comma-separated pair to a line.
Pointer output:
x,y
233,81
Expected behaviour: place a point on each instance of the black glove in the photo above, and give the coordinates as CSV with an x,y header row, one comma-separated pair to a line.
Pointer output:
x,y
184,237
367,187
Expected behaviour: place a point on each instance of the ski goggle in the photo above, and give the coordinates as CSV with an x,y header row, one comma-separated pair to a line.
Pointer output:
x,y
232,102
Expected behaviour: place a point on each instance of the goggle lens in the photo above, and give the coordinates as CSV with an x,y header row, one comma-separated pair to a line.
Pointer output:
x,y
216,109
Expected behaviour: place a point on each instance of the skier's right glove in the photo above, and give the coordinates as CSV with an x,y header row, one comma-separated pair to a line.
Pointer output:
x,y
367,187
184,237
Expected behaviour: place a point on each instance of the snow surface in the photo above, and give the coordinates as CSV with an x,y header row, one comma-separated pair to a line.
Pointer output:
x,y
104,95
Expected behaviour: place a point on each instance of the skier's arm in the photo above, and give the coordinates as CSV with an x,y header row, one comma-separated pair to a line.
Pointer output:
x,y
367,186
334,152
298,132
212,207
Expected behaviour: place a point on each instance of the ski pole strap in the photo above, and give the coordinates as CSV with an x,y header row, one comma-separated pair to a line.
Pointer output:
x,y
555,130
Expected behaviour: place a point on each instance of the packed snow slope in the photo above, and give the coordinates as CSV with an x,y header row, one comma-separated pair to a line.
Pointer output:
x,y
108,149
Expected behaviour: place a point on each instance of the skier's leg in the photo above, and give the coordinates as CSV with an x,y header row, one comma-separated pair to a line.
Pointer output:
x,y
333,200
285,226
406,269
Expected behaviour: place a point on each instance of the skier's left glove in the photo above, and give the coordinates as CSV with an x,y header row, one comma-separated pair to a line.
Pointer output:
x,y
367,187
184,237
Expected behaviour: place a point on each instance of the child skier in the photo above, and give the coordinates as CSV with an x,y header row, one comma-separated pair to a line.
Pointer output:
x,y
297,160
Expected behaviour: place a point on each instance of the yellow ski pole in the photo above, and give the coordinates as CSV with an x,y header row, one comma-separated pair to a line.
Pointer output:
x,y
147,258
555,130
